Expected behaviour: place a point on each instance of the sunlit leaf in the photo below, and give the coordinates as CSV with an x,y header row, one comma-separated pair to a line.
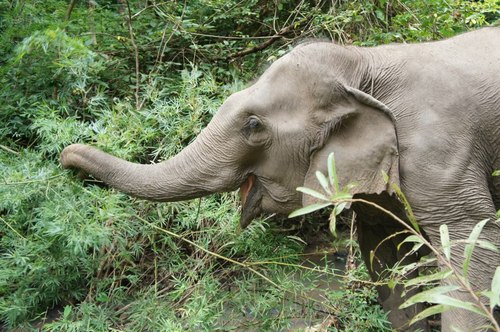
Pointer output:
x,y
339,208
469,248
431,311
487,245
426,296
385,176
308,209
409,211
437,295
313,193
445,241
332,172
323,182
426,279
332,225
296,238
412,239
341,196
495,289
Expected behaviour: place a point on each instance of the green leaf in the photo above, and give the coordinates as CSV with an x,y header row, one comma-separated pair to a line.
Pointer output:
x,y
308,209
445,240
313,193
409,211
323,182
431,311
413,239
427,295
67,311
339,208
426,279
348,187
332,173
385,176
333,223
469,248
487,245
495,289
341,196
496,173
437,295
380,15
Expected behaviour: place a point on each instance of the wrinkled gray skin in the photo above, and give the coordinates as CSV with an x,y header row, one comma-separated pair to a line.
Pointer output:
x,y
426,114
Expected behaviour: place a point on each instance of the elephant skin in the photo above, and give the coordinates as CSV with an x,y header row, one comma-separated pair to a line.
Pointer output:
x,y
428,115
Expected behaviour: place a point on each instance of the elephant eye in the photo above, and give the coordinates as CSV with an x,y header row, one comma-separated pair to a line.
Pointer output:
x,y
254,131
254,123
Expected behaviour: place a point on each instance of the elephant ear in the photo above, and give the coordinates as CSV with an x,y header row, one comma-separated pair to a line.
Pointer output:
x,y
361,131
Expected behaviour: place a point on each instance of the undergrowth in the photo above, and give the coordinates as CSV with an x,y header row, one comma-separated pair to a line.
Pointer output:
x,y
140,79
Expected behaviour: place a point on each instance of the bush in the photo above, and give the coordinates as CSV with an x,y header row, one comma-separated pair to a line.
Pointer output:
x,y
140,79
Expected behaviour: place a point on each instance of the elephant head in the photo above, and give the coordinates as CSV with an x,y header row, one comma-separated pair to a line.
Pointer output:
x,y
270,138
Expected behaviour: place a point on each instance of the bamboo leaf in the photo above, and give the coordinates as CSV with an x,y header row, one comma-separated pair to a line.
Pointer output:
x,y
332,172
409,211
313,193
487,245
341,196
339,208
412,239
333,223
348,187
437,295
469,248
372,256
426,279
495,289
308,209
431,311
323,182
445,240
385,176
426,296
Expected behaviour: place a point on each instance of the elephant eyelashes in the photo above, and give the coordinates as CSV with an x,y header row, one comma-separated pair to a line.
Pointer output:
x,y
254,123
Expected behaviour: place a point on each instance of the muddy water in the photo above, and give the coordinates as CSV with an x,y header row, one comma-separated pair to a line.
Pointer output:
x,y
303,312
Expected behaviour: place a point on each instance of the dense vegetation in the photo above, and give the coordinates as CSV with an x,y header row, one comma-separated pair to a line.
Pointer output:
x,y
140,79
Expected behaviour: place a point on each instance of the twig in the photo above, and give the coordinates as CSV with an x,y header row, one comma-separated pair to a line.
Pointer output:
x,y
70,9
272,39
33,181
244,265
12,228
9,150
136,54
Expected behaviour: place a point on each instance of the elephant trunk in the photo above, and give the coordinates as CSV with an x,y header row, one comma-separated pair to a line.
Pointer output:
x,y
194,172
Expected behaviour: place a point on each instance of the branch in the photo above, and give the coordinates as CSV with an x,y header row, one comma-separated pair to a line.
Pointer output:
x,y
272,39
70,9
136,54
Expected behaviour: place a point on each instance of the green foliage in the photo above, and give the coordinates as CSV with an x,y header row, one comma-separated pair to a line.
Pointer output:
x,y
141,84
439,284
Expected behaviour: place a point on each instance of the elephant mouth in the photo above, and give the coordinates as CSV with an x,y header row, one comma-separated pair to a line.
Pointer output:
x,y
251,193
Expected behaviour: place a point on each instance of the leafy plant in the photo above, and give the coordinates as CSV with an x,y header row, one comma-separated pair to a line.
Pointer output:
x,y
451,278
140,79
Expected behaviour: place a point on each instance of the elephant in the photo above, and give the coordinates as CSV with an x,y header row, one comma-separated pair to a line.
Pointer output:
x,y
427,114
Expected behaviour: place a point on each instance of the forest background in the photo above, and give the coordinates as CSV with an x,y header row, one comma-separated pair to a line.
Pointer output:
x,y
140,79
